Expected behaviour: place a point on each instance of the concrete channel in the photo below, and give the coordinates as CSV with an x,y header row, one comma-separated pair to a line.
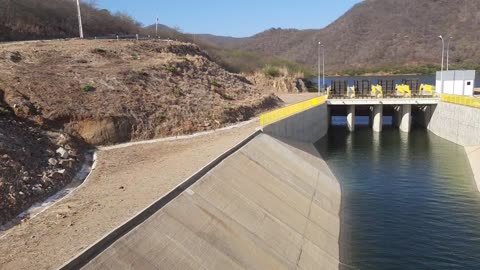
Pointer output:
x,y
269,203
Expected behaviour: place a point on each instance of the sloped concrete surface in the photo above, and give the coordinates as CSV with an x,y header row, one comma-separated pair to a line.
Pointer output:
x,y
473,153
456,123
307,126
270,205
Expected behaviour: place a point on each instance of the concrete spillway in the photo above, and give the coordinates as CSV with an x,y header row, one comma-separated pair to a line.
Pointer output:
x,y
270,205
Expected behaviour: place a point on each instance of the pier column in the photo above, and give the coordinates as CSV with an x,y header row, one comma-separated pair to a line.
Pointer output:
x,y
377,118
406,121
370,116
351,118
397,116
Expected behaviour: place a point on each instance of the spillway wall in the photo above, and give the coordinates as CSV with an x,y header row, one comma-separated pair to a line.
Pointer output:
x,y
459,124
307,126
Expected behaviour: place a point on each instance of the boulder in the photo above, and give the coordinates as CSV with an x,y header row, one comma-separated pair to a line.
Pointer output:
x,y
62,152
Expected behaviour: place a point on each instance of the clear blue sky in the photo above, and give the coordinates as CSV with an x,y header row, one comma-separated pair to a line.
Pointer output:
x,y
238,18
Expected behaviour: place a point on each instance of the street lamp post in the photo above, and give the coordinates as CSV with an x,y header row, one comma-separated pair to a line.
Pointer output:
x,y
80,27
441,73
448,51
318,79
323,67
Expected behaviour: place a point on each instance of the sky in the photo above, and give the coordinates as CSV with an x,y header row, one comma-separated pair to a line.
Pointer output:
x,y
240,18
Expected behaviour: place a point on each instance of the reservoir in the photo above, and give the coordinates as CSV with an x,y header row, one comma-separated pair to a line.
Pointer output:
x,y
409,200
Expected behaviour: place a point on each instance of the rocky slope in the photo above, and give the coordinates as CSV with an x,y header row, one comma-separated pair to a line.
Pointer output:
x,y
34,163
58,97
377,33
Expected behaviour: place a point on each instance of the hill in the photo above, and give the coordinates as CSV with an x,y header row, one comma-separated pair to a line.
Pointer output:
x,y
377,34
80,93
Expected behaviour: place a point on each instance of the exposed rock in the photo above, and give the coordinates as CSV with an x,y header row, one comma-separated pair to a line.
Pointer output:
x,y
62,152
52,161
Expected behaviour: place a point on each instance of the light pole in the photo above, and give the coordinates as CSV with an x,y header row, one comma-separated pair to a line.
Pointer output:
x,y
323,67
448,51
441,72
80,27
318,79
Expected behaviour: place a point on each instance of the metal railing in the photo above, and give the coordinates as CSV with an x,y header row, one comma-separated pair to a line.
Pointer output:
x,y
275,115
462,100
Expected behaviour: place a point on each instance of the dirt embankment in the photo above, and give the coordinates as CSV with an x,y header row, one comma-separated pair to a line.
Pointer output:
x,y
57,95
282,83
34,163
113,91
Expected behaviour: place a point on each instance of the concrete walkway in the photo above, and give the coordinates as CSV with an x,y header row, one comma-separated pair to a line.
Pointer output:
x,y
265,207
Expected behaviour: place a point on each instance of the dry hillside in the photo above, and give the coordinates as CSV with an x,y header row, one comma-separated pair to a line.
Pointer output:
x,y
41,19
65,93
378,33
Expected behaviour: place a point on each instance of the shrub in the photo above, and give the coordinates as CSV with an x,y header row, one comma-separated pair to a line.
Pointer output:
x,y
177,92
215,83
271,71
88,88
99,51
172,69
3,110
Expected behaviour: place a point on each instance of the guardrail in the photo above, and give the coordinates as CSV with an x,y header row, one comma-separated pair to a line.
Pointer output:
x,y
462,100
275,115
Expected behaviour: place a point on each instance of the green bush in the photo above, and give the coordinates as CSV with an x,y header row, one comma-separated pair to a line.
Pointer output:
x,y
88,88
215,83
172,69
272,71
4,110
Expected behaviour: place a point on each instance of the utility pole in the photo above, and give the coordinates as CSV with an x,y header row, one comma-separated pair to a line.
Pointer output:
x,y
323,67
318,79
156,27
448,52
80,27
441,73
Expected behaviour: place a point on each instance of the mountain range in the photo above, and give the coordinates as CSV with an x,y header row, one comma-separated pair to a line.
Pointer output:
x,y
376,34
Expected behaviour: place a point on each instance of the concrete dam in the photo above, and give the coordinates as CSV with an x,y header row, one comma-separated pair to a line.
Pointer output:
x,y
272,201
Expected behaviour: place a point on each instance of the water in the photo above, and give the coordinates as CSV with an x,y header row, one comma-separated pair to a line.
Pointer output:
x,y
409,201
428,79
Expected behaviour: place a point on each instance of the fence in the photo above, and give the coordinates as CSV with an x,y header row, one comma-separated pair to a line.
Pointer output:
x,y
275,115
462,100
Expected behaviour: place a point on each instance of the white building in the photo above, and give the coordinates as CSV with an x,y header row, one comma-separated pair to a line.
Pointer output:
x,y
456,82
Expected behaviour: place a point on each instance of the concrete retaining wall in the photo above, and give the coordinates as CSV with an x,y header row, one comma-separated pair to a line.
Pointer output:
x,y
461,125
307,126
270,205
456,123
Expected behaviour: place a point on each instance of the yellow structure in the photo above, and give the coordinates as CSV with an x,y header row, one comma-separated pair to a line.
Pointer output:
x,y
275,115
404,89
427,89
377,90
462,100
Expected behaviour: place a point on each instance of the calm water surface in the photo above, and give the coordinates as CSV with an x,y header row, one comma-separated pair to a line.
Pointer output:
x,y
409,200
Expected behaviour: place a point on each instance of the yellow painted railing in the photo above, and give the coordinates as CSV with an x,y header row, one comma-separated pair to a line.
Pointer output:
x,y
462,100
275,115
